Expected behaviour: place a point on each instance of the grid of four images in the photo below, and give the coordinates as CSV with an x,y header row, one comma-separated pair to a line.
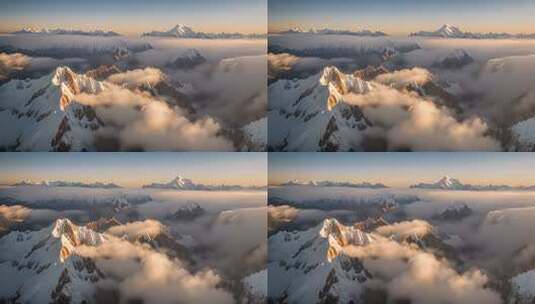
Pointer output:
x,y
267,151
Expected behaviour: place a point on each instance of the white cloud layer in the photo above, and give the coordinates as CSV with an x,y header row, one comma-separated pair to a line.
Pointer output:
x,y
141,273
407,272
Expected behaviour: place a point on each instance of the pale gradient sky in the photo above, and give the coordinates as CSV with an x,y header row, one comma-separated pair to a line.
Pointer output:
x,y
400,17
404,169
135,169
131,17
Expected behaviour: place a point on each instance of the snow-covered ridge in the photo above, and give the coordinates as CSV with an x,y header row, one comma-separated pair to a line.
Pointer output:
x,y
66,184
58,31
449,183
311,114
72,236
523,134
315,258
186,184
255,285
43,114
334,184
327,31
65,111
339,236
522,288
340,84
451,31
184,31
44,266
335,261
256,133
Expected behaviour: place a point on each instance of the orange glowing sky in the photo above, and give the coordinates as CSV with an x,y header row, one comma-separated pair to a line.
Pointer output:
x,y
404,169
132,17
401,17
135,169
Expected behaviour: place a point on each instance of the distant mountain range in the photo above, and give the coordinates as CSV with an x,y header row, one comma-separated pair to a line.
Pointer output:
x,y
445,183
186,184
178,31
449,183
46,31
334,184
450,31
183,31
66,184
327,31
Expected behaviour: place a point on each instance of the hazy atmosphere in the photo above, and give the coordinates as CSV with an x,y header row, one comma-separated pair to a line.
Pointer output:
x,y
449,228
267,152
147,227
401,76
133,76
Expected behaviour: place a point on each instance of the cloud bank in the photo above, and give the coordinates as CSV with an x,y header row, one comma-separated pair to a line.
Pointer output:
x,y
406,120
411,274
12,62
143,274
141,121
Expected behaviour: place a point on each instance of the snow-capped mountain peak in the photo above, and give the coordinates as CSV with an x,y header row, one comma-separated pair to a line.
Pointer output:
x,y
183,31
315,258
445,183
44,266
328,31
59,183
448,30
294,182
448,181
71,236
71,84
182,183
340,236
445,31
340,84
295,30
180,30
59,31
315,112
186,184
46,113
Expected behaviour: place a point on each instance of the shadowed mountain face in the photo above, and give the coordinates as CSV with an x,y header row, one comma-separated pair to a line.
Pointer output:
x,y
47,258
